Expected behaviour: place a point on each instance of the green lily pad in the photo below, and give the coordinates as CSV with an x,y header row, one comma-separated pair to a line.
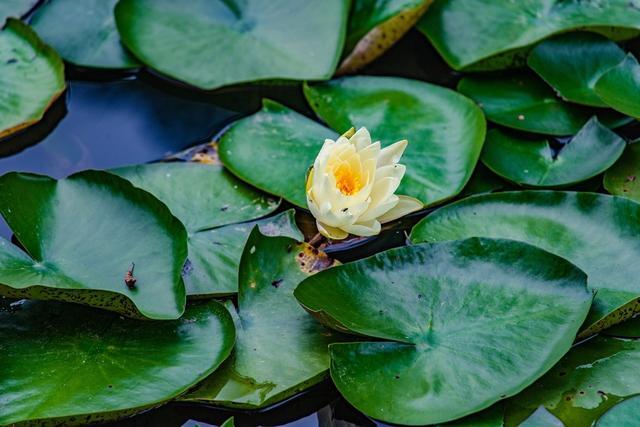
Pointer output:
x,y
596,232
374,26
623,414
620,87
573,63
623,178
534,163
71,365
542,418
228,423
445,130
201,196
32,77
273,150
210,44
460,325
470,32
524,102
84,33
82,235
589,380
15,8
280,349
214,255
627,329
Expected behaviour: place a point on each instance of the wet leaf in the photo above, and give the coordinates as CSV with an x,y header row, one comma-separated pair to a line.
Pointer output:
x,y
32,77
535,163
210,44
623,178
280,349
447,341
497,34
620,87
84,33
445,130
596,232
572,64
82,235
524,102
15,9
71,365
623,414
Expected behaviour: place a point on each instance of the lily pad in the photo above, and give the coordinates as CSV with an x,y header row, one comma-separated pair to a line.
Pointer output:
x,y
524,102
374,26
454,326
32,77
620,87
535,163
280,349
84,33
596,232
15,9
210,44
623,178
573,63
214,255
589,380
470,32
273,150
542,418
445,130
623,414
59,223
93,366
627,329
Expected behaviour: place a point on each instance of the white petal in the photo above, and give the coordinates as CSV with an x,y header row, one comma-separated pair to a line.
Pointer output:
x,y
361,139
392,154
396,171
331,232
383,189
370,152
369,228
380,209
405,206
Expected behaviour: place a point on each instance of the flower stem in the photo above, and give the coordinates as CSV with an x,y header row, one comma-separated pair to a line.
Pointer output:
x,y
316,240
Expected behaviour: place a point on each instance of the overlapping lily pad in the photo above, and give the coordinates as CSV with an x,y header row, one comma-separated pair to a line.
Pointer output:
x,y
82,235
273,150
535,163
445,130
589,380
596,232
15,9
522,101
572,64
457,325
471,33
211,44
542,418
71,365
280,349
374,26
623,414
83,33
214,255
31,77
623,178
620,87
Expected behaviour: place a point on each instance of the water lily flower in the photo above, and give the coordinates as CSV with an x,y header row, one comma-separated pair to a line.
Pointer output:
x,y
350,189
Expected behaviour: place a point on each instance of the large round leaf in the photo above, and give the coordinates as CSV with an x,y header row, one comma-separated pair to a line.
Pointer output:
x,y
466,32
82,235
533,162
620,87
273,150
214,43
31,77
445,130
623,414
201,196
590,379
280,349
72,365
573,63
623,178
460,325
15,8
214,255
524,102
598,233
83,32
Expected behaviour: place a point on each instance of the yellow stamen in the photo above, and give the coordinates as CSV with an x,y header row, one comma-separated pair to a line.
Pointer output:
x,y
347,180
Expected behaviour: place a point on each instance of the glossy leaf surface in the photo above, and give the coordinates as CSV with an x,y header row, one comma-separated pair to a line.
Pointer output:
x,y
15,8
623,414
620,87
460,325
623,178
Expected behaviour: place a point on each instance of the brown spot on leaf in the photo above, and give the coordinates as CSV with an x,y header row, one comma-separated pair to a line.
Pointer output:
x,y
312,260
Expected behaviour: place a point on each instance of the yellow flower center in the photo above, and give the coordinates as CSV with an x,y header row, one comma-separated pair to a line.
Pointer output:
x,y
347,179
